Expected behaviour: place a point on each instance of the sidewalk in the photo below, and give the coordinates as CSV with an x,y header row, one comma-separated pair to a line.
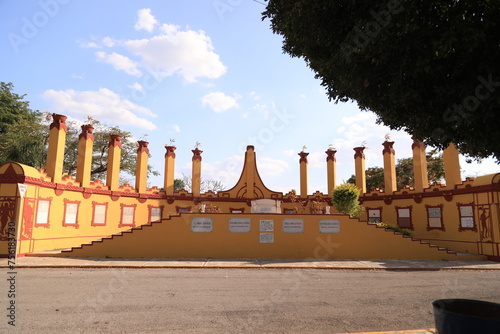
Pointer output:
x,y
69,262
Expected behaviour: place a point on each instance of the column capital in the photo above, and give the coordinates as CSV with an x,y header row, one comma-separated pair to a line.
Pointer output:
x,y
170,151
196,154
87,132
331,155
388,147
359,152
303,157
143,146
115,140
59,122
417,143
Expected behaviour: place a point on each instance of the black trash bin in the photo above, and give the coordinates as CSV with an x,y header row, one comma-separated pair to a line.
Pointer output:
x,y
465,316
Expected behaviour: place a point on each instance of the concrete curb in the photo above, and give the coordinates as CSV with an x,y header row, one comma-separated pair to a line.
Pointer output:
x,y
392,265
248,267
416,331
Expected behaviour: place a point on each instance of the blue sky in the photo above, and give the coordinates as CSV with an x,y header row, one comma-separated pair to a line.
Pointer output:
x,y
207,71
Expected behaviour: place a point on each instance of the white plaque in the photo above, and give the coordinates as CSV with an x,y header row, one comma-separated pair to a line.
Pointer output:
x,y
467,222
329,226
22,189
267,238
239,225
201,224
466,211
267,225
293,225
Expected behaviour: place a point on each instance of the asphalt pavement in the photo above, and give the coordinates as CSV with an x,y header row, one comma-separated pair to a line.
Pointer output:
x,y
196,267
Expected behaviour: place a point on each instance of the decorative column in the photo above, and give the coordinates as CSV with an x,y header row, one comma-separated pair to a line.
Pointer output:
x,y
250,175
141,171
196,172
331,170
57,141
84,161
114,155
359,163
303,174
451,166
390,183
420,175
169,170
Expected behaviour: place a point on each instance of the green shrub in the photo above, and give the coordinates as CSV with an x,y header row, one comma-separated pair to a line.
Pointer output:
x,y
345,200
395,229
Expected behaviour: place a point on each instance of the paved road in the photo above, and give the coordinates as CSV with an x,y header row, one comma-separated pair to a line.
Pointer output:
x,y
116,300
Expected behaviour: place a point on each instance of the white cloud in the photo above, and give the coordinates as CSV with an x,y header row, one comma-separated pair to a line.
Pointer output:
x,y
316,159
137,86
254,95
362,127
263,109
176,128
271,167
302,96
108,42
227,171
289,152
145,20
104,105
219,101
119,62
89,45
78,76
188,53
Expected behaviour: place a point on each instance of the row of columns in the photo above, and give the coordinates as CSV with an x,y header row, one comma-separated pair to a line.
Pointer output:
x,y
55,159
57,138
421,179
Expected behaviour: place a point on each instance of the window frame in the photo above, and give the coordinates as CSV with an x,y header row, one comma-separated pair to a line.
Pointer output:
x,y
94,205
440,207
68,202
410,218
122,211
460,216
47,223
150,212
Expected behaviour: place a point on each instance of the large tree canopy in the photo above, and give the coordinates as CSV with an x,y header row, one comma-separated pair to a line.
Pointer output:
x,y
22,137
404,172
428,67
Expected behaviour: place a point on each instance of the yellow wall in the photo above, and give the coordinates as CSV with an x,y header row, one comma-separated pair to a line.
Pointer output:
x,y
357,240
173,238
480,193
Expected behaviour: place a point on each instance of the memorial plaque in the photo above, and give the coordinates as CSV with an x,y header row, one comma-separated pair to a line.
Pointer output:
x,y
267,225
201,224
467,222
434,212
466,211
267,238
329,226
293,225
241,225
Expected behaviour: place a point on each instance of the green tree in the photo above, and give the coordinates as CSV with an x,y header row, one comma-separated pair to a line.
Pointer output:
x,y
102,132
429,68
205,184
404,172
179,184
345,199
23,138
374,178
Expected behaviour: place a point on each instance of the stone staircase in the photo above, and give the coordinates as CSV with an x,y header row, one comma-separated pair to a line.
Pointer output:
x,y
158,236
